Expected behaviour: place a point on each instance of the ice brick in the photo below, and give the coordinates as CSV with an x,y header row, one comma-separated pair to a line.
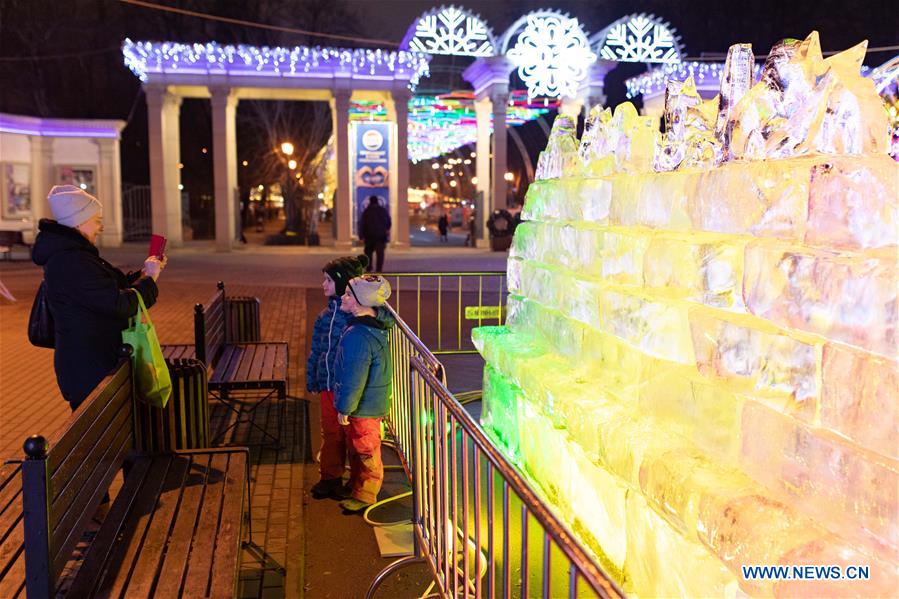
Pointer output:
x,y
858,398
846,298
883,581
655,200
703,412
499,409
854,202
658,328
845,488
709,272
748,352
752,198
597,500
661,562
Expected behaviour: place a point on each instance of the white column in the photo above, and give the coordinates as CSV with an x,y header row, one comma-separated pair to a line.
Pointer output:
x,y
500,143
110,192
483,113
163,113
224,156
343,202
42,177
400,203
573,106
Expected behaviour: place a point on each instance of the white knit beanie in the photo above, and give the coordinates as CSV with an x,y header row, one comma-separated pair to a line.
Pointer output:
x,y
72,206
370,290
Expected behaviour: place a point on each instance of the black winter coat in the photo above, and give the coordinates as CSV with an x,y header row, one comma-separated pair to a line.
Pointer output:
x,y
89,304
374,224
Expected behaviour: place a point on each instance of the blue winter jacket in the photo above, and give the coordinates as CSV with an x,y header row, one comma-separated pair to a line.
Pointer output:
x,y
364,369
329,326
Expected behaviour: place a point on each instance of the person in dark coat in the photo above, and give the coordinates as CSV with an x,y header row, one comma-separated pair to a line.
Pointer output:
x,y
374,231
90,300
443,227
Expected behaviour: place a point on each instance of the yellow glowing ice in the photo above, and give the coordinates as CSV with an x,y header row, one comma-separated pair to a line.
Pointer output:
x,y
699,367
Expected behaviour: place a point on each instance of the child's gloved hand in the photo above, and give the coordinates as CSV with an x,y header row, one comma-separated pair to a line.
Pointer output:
x,y
343,419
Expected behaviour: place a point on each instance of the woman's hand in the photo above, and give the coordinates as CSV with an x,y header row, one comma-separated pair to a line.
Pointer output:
x,y
343,419
153,266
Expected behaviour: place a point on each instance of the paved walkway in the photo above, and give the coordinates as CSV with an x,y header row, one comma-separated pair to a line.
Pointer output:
x,y
297,543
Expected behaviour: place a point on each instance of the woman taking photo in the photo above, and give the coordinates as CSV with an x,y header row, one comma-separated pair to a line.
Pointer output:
x,y
90,300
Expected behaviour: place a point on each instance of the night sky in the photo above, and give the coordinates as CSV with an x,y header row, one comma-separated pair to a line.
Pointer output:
x,y
90,81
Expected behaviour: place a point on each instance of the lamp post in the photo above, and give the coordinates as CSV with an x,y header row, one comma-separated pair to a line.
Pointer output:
x,y
291,212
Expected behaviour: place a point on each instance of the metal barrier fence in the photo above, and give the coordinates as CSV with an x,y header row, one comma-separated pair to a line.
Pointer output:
x,y
443,308
479,526
404,344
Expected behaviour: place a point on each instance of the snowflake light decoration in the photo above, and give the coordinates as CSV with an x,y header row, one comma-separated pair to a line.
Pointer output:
x,y
450,30
552,54
639,38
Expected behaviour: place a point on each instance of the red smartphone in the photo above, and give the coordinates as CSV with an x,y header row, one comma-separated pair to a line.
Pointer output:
x,y
157,246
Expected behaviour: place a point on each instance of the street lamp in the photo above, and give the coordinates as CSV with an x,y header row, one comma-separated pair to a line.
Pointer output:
x,y
287,148
292,164
509,177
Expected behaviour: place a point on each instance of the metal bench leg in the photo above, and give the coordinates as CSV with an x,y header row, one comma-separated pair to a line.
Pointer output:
x,y
246,416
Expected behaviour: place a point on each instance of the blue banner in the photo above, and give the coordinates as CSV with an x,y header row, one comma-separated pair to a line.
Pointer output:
x,y
371,173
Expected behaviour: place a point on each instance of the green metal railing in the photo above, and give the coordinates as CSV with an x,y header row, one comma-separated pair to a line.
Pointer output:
x,y
445,306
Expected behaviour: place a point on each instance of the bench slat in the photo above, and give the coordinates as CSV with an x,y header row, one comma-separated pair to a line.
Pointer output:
x,y
12,582
199,568
178,352
12,536
149,560
127,549
11,552
227,366
87,413
174,566
248,355
64,538
264,358
228,538
97,556
69,479
271,361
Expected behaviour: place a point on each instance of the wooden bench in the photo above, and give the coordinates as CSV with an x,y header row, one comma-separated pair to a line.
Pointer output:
x,y
8,239
243,325
238,366
12,535
175,528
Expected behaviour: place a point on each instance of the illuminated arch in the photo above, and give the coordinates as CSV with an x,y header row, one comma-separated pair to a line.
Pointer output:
x,y
551,52
638,38
450,30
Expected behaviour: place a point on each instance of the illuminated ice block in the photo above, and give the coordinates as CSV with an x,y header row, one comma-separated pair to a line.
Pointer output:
x,y
711,272
854,203
849,298
750,352
858,398
699,368
842,486
663,563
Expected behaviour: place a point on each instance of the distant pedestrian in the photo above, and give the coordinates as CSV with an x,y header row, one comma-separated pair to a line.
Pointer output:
x,y
90,300
364,387
374,231
443,227
471,238
321,372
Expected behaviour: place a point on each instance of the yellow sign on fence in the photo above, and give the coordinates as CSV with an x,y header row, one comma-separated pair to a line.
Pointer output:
x,y
482,312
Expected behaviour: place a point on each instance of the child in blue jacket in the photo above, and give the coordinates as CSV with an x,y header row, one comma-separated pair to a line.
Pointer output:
x,y
364,386
321,376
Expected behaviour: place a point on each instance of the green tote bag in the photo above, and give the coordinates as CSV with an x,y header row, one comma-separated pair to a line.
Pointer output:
x,y
152,382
